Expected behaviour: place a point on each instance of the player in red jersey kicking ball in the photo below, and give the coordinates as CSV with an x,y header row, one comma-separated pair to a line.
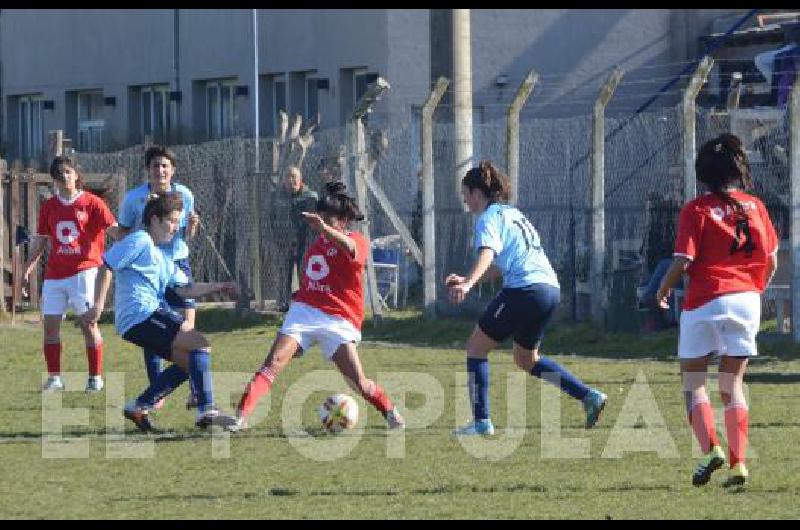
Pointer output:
x,y
328,309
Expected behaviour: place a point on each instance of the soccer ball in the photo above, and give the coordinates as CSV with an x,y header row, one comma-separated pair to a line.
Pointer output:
x,y
338,412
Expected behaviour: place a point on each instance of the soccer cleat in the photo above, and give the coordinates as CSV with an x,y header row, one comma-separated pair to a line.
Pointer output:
x,y
714,460
482,427
140,416
593,403
395,420
191,401
53,383
94,384
738,476
214,417
238,426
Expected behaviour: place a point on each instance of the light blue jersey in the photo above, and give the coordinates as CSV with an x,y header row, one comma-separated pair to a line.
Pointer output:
x,y
518,251
142,273
133,208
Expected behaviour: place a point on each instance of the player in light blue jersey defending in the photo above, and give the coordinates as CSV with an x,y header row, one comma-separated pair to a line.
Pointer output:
x,y
508,245
143,274
160,164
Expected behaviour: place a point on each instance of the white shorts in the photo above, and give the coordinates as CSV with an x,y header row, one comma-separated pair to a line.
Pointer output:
x,y
308,325
726,325
76,292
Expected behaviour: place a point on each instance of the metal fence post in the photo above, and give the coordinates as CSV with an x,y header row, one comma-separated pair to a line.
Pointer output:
x,y
689,129
3,246
794,173
357,166
428,213
598,217
512,132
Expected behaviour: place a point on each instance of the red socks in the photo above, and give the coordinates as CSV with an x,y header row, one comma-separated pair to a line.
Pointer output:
x,y
94,354
52,357
737,420
379,399
259,385
701,417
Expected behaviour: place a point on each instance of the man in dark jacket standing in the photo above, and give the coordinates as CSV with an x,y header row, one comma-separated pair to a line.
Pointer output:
x,y
302,199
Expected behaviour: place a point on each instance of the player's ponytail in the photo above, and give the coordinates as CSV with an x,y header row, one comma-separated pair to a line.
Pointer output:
x,y
336,202
722,163
490,180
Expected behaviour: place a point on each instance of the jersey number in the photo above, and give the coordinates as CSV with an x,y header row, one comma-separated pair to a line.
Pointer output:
x,y
528,233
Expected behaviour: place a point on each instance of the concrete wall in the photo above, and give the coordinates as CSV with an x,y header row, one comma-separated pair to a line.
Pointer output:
x,y
325,40
115,49
52,51
55,51
409,67
573,50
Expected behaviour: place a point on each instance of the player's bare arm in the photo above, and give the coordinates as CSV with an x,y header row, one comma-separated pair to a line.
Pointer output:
x,y
671,278
342,240
458,289
115,232
192,223
772,266
198,290
39,244
123,231
102,285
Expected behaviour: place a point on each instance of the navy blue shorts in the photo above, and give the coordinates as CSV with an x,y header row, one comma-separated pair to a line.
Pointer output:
x,y
157,332
174,299
521,313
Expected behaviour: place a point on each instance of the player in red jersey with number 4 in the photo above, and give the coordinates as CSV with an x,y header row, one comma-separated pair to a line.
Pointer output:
x,y
328,309
73,225
727,246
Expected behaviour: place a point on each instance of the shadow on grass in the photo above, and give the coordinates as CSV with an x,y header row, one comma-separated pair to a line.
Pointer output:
x,y
561,338
411,329
216,320
284,491
771,378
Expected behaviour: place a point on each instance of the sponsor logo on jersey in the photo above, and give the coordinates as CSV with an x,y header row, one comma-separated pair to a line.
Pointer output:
x,y
317,268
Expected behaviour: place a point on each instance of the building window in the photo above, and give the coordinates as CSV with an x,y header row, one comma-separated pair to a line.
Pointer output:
x,y
353,83
278,103
154,118
311,113
361,81
90,121
31,136
220,108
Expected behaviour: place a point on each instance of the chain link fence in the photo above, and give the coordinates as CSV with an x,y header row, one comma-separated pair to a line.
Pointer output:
x,y
643,194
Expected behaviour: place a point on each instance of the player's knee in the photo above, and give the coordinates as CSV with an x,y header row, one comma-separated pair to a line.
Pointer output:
x,y
86,327
523,362
272,367
525,359
365,386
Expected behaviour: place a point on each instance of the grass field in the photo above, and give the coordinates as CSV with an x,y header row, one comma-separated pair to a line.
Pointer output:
x,y
637,463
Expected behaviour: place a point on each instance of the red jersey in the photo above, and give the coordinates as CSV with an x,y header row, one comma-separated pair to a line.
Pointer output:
x,y
77,233
706,233
333,280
